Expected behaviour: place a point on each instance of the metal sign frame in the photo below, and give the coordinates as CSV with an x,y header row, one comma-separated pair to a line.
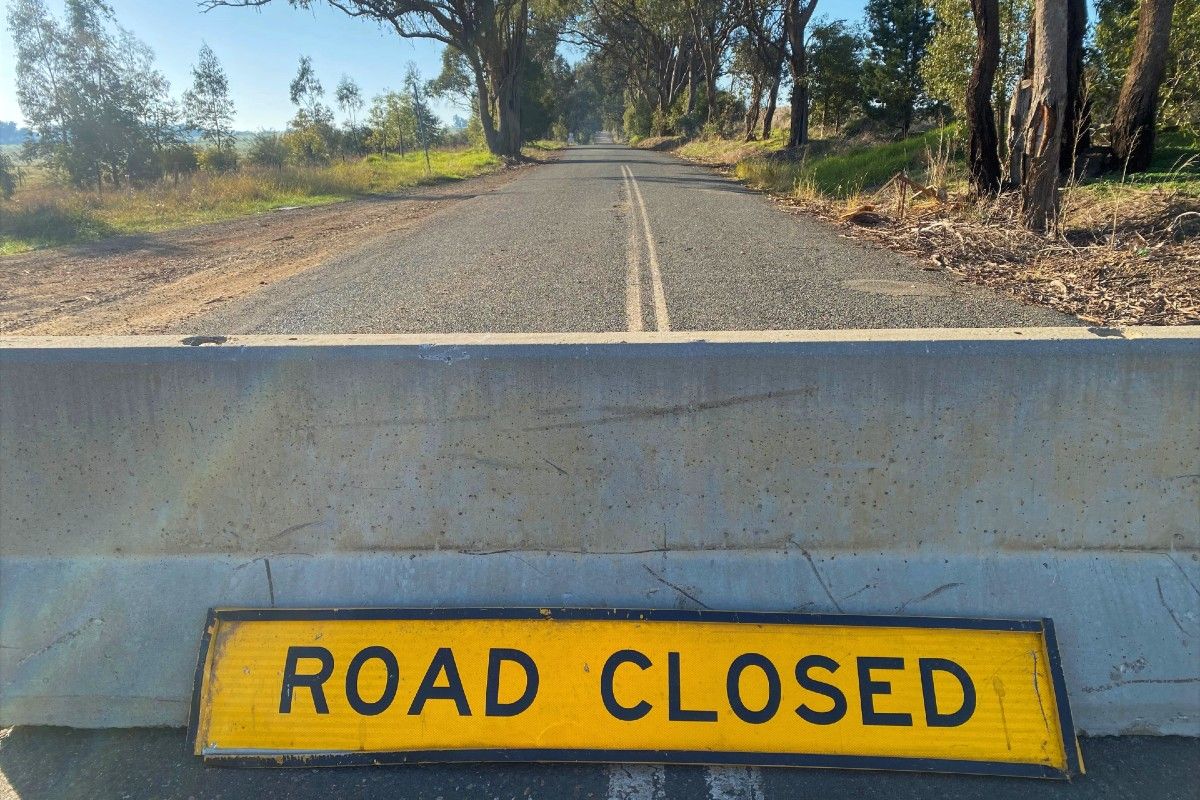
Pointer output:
x,y
1045,627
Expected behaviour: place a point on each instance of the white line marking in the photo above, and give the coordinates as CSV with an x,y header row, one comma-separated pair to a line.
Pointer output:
x,y
734,783
636,782
661,320
633,260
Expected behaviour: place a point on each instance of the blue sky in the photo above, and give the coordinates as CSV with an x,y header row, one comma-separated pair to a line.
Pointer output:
x,y
259,50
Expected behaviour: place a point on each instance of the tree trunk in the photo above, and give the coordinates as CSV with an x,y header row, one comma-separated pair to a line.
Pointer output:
x,y
1018,114
772,103
497,64
981,118
1137,106
754,110
799,13
1076,134
692,82
1048,107
798,134
510,137
483,104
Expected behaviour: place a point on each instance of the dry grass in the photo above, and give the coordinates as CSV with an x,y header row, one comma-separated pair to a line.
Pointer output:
x,y
48,215
1144,270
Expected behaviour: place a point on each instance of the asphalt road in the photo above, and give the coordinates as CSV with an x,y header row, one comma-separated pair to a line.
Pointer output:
x,y
608,238
62,764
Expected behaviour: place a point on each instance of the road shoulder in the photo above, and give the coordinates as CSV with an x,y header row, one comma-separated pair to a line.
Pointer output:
x,y
148,283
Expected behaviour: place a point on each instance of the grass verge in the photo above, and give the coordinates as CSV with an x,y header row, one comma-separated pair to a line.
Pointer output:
x,y
49,216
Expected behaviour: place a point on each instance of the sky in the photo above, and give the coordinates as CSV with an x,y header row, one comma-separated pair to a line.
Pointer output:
x,y
260,49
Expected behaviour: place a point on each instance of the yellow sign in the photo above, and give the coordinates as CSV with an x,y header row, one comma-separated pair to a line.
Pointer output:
x,y
352,686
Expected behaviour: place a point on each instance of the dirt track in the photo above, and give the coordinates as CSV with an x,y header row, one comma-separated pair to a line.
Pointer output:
x,y
147,283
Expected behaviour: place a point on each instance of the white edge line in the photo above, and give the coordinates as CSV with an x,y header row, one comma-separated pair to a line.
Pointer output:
x,y
734,783
636,782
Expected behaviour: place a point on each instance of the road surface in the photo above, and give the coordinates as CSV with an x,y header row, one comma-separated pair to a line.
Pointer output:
x,y
609,238
61,764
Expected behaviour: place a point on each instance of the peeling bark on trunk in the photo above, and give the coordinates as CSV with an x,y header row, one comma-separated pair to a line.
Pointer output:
x,y
1018,114
1048,107
1137,106
981,118
510,134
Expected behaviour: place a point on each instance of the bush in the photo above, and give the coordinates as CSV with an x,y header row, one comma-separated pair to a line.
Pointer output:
x,y
8,175
474,132
180,159
637,120
306,146
661,123
267,150
214,160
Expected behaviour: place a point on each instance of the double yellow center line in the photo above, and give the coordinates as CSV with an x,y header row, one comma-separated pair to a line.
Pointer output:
x,y
633,277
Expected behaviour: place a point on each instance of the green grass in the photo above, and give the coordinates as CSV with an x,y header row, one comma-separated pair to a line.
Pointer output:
x,y
49,215
1175,167
847,173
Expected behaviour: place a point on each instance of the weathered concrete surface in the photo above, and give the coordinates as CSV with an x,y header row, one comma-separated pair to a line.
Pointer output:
x,y
1043,472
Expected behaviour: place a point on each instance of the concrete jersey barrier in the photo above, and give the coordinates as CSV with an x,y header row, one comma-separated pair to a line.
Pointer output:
x,y
986,473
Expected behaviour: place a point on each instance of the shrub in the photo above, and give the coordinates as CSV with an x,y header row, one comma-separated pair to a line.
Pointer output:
x,y
306,146
661,123
214,160
637,120
8,175
267,150
179,160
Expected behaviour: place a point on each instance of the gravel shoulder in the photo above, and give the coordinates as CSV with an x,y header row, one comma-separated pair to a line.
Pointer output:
x,y
150,283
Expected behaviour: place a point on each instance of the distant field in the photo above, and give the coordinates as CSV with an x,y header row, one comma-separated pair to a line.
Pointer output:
x,y
42,214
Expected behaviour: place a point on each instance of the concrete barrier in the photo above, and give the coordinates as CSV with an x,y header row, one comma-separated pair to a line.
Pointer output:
x,y
1005,473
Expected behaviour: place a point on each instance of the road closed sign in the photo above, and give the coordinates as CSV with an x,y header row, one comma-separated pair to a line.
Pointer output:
x,y
365,686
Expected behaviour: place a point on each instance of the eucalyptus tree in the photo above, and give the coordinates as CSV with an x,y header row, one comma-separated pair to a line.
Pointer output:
x,y
350,101
1048,101
207,105
712,24
88,88
650,39
982,140
1133,128
763,22
796,16
490,34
